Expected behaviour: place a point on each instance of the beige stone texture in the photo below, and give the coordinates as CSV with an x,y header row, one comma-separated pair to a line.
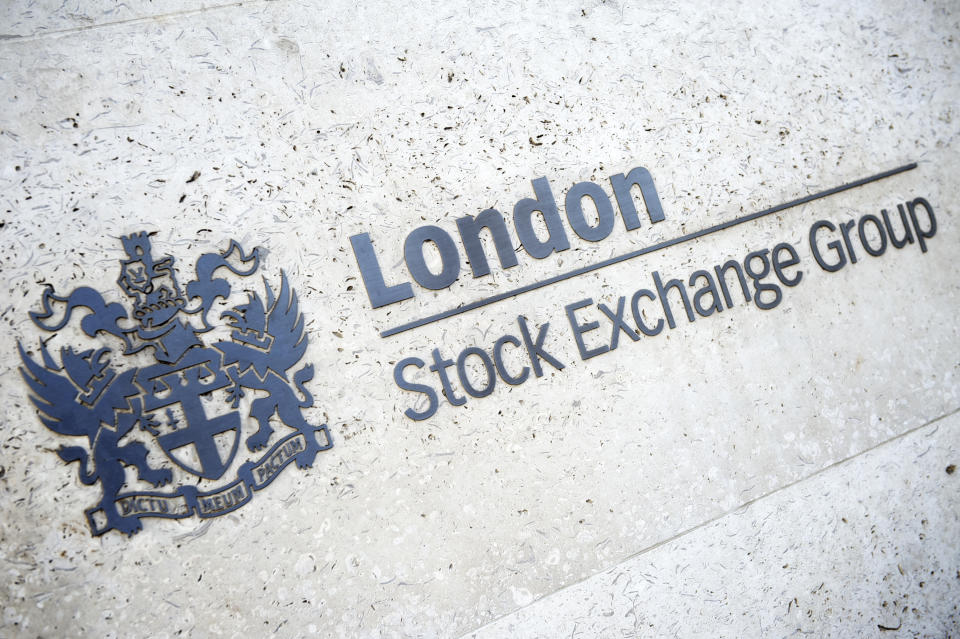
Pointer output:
x,y
694,460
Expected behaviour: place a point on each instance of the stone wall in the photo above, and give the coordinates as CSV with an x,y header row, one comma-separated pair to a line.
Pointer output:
x,y
769,467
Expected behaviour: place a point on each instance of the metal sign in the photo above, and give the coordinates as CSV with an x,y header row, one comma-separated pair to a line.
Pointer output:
x,y
194,401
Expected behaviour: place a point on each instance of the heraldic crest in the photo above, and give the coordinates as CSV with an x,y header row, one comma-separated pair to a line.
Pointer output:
x,y
206,397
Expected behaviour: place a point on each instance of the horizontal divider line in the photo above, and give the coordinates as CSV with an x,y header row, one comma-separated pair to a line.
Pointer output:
x,y
644,251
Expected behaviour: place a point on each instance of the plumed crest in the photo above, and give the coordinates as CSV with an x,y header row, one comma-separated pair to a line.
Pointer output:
x,y
100,316
207,287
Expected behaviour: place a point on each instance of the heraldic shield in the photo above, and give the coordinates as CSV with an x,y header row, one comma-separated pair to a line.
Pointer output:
x,y
206,397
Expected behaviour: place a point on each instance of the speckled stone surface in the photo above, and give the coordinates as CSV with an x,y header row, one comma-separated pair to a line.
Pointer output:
x,y
822,557
294,126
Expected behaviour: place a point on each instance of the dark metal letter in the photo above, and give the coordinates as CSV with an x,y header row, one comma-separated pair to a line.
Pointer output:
x,y
621,189
523,220
380,294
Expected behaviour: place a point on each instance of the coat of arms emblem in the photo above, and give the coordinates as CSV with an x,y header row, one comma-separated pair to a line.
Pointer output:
x,y
215,407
